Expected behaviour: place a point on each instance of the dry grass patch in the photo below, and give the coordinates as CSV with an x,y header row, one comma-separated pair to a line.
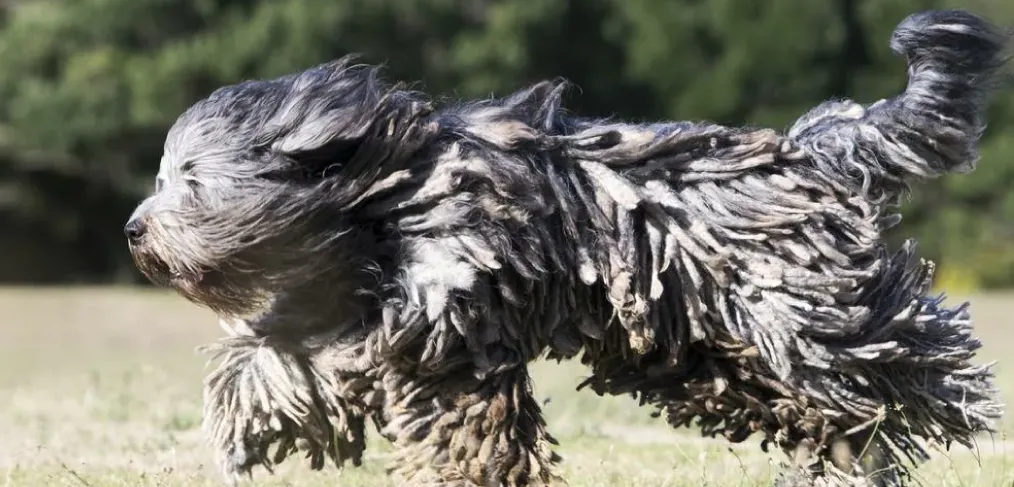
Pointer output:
x,y
101,388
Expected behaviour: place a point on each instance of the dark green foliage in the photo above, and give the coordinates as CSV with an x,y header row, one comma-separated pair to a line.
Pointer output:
x,y
89,87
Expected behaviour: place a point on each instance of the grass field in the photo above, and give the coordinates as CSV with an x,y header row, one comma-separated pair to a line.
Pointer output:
x,y
101,387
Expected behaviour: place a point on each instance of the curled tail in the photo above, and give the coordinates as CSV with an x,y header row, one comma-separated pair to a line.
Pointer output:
x,y
933,127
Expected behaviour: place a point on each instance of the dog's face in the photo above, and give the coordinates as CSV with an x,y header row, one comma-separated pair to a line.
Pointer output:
x,y
253,187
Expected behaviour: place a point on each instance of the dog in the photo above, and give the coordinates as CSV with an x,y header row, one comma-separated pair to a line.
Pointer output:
x,y
376,258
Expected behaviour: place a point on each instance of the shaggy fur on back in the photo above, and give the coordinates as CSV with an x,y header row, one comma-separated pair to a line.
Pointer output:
x,y
378,259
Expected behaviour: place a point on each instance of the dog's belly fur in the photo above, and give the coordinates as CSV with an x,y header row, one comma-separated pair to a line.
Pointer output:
x,y
736,279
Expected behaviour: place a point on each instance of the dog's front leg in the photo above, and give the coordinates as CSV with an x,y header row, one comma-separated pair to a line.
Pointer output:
x,y
456,430
268,398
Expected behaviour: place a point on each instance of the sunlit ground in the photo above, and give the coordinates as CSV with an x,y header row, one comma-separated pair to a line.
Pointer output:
x,y
101,387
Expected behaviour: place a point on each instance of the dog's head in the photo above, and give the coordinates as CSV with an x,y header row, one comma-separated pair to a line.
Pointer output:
x,y
256,181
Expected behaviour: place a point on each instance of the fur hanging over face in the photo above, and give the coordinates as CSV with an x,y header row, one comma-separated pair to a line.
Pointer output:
x,y
379,259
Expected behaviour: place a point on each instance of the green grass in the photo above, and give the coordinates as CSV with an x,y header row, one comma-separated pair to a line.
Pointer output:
x,y
101,387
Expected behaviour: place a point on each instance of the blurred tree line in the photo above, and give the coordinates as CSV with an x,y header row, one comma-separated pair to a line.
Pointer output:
x,y
88,89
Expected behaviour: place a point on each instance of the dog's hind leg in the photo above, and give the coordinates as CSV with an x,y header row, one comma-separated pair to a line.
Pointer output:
x,y
856,461
457,430
722,394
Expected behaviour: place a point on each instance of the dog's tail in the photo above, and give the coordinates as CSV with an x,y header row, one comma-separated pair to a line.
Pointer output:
x,y
930,129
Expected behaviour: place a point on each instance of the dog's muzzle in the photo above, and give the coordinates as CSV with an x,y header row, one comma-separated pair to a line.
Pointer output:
x,y
153,267
134,230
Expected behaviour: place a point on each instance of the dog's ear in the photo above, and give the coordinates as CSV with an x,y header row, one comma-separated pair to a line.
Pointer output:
x,y
339,118
399,127
325,103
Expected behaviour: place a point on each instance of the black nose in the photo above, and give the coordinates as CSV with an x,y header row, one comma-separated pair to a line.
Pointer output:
x,y
134,230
